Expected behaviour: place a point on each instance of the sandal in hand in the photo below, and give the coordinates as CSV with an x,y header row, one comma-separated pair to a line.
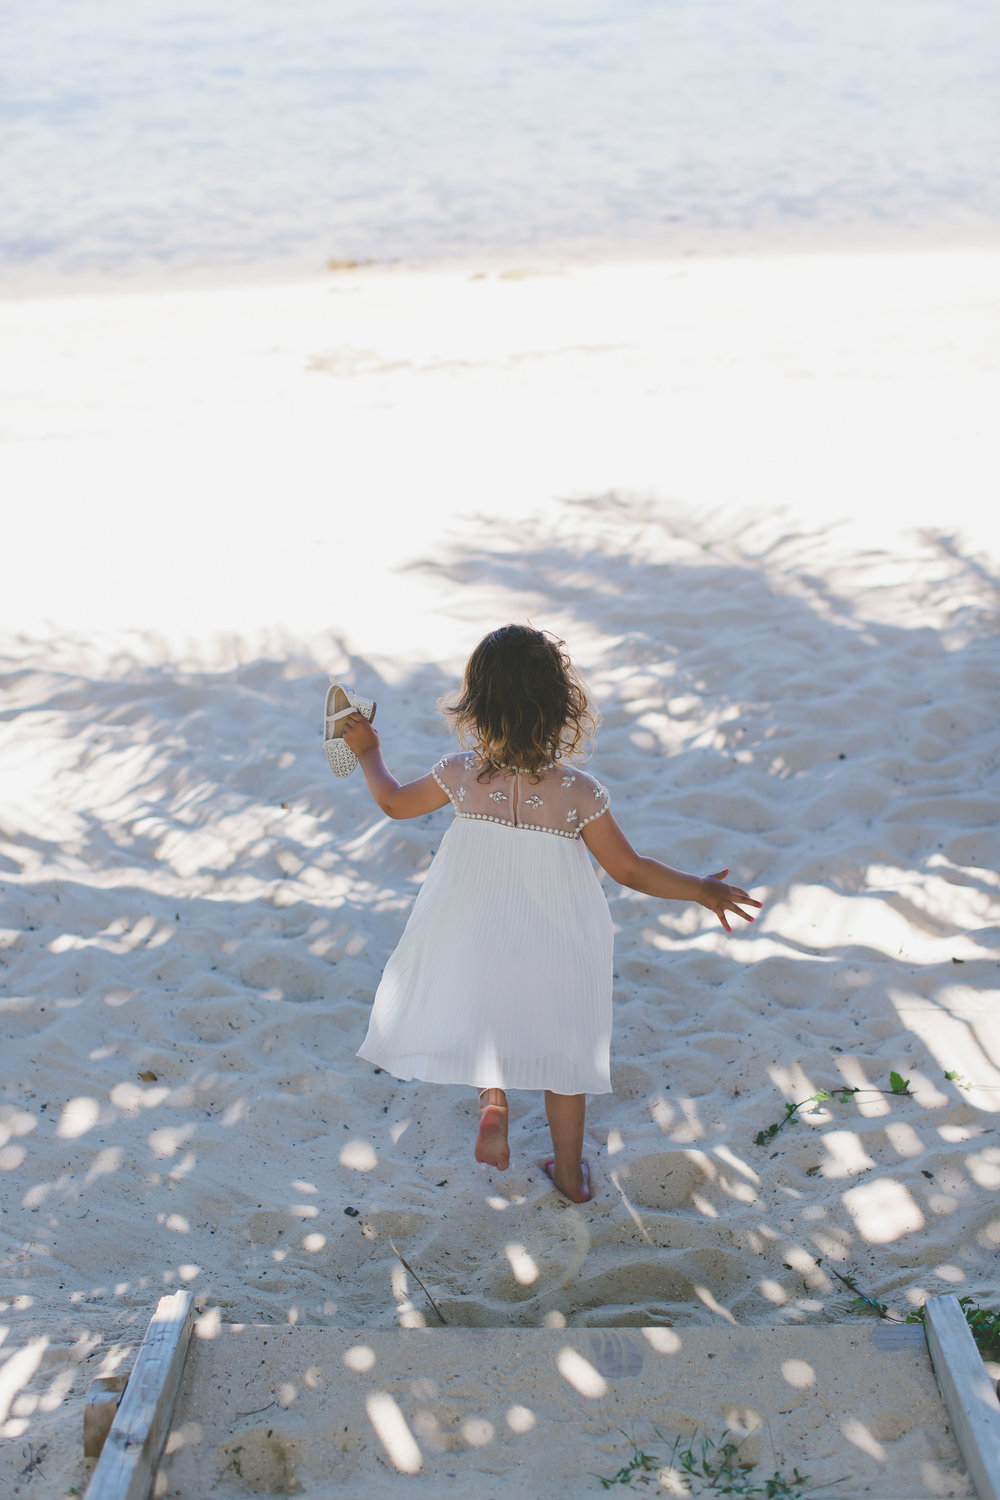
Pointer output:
x,y
341,702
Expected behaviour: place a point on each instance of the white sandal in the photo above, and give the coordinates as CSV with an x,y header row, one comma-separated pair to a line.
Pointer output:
x,y
343,702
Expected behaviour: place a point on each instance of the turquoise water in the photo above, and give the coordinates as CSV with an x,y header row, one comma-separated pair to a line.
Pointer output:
x,y
159,136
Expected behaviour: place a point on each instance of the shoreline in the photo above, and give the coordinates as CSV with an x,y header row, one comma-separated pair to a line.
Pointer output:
x,y
544,259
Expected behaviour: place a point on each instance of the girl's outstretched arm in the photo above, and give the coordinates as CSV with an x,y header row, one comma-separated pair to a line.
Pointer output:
x,y
614,853
409,801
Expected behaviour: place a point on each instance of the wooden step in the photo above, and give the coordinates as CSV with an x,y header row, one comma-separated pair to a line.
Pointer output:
x,y
535,1413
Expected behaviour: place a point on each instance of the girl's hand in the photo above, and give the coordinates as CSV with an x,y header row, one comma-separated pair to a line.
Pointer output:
x,y
360,735
720,898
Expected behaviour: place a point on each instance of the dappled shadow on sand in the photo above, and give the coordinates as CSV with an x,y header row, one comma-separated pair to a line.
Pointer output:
x,y
196,916
822,719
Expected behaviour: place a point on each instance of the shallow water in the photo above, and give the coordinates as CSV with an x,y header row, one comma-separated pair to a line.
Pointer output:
x,y
187,134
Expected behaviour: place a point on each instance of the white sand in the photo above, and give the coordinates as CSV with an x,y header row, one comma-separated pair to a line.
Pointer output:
x,y
758,499
539,1414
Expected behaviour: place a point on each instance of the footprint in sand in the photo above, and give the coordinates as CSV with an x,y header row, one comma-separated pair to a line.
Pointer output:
x,y
666,1179
637,1284
267,1227
262,1459
615,1355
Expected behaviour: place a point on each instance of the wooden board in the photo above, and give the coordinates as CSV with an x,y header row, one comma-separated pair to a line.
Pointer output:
x,y
968,1392
103,1401
132,1449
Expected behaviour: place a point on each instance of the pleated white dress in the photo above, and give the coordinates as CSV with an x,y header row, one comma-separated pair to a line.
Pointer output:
x,y
502,978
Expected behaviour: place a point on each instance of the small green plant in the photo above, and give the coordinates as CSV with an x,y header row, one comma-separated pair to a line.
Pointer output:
x,y
716,1463
983,1321
791,1110
897,1085
862,1302
638,1465
954,1076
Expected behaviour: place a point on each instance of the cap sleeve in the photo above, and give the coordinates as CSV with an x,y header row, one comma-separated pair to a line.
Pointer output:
x,y
592,799
451,774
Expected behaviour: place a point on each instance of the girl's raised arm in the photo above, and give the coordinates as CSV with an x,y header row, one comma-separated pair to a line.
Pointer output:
x,y
615,854
409,801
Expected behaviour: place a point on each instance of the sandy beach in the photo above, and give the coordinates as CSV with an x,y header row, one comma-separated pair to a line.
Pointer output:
x,y
757,497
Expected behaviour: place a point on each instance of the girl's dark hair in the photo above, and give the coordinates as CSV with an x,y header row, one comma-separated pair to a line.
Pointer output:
x,y
522,703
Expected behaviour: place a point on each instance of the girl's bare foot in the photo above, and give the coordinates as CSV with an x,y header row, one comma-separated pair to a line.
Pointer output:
x,y
491,1142
567,1115
576,1187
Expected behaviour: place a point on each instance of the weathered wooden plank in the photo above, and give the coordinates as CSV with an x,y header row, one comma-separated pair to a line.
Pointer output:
x,y
968,1392
99,1408
132,1449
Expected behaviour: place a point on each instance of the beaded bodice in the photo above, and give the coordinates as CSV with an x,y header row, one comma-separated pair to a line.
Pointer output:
x,y
562,800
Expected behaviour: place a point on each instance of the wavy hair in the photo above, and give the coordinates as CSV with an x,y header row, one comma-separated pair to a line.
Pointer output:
x,y
522,702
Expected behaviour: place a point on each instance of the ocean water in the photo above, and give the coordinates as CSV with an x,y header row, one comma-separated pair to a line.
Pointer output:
x,y
156,137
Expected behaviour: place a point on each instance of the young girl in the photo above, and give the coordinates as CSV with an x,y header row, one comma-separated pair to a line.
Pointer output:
x,y
502,978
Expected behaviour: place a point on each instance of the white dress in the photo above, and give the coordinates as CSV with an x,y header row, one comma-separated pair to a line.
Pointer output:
x,y
502,978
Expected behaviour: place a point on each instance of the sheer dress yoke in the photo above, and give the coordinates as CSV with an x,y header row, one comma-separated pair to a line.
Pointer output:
x,y
561,799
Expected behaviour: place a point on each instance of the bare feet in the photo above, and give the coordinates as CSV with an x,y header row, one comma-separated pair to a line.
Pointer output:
x,y
491,1142
575,1188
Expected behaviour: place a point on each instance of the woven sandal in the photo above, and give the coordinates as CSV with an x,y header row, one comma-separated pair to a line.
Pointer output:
x,y
341,702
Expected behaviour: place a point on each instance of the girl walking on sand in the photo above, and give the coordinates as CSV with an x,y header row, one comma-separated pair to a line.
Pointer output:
x,y
503,976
